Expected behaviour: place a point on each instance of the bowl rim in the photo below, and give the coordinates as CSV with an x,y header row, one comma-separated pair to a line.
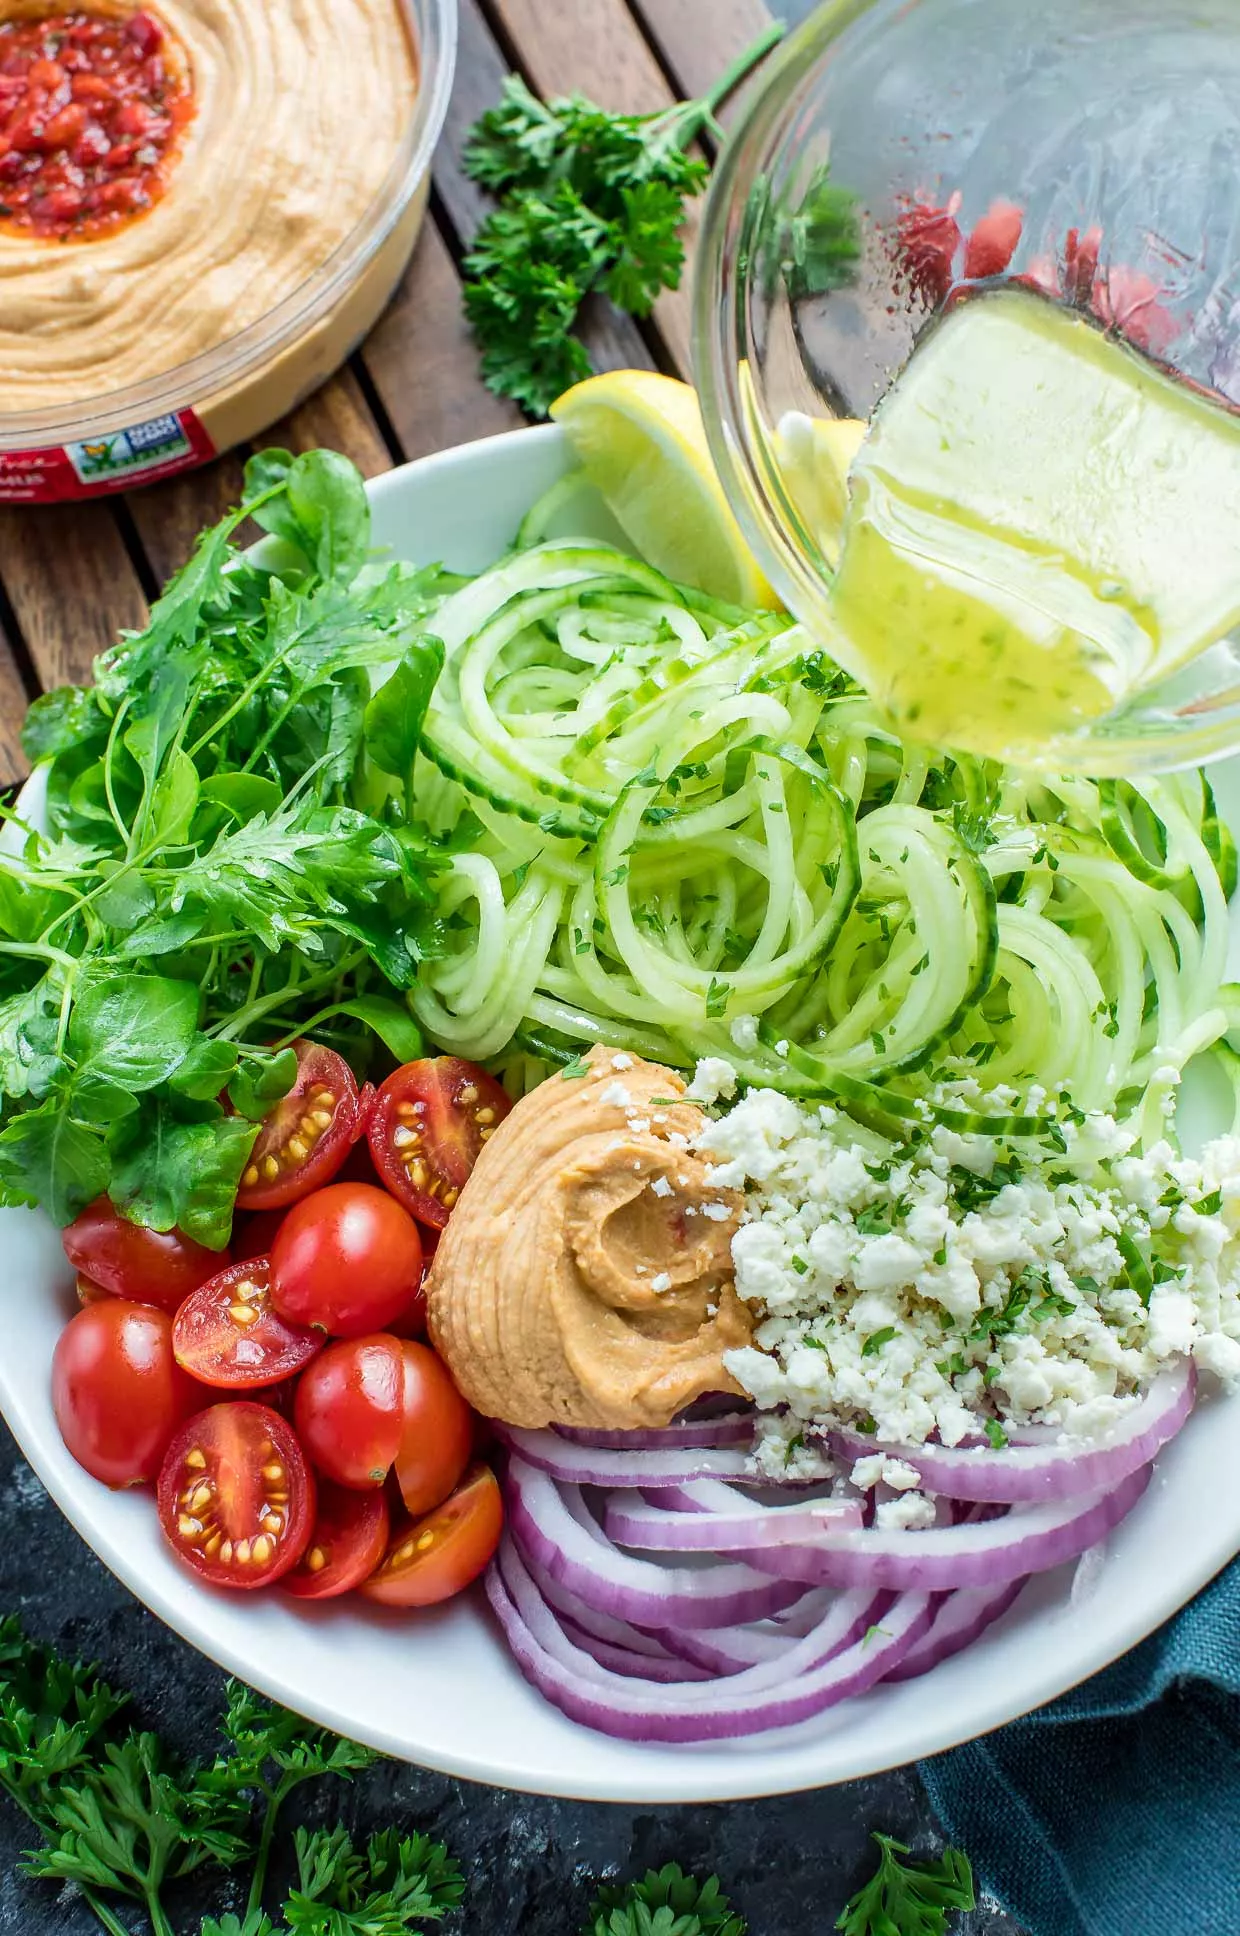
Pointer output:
x,y
608,1771
433,30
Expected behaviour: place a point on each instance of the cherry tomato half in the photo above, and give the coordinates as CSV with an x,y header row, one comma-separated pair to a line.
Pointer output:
x,y
435,1557
118,1392
348,1259
437,1439
227,1334
350,1410
349,1539
236,1497
307,1136
429,1122
158,1267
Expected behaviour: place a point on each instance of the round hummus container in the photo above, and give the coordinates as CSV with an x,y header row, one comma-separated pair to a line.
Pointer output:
x,y
334,266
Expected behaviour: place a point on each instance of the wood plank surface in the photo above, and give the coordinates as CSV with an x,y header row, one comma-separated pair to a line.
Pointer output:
x,y
71,584
336,417
168,517
423,363
614,340
597,47
697,38
14,765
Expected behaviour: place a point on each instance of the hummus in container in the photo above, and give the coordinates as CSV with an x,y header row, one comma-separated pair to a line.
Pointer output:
x,y
204,206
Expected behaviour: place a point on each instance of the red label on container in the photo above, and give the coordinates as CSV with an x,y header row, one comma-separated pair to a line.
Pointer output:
x,y
140,455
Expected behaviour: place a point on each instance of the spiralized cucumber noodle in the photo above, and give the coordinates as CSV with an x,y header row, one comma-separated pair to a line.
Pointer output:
x,y
693,835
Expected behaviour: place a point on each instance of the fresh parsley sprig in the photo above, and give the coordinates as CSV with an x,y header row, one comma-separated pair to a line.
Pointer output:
x,y
121,1816
117,1813
666,1902
589,202
909,1898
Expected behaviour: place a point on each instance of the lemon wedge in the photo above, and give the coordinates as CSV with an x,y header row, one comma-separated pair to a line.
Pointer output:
x,y
815,455
642,443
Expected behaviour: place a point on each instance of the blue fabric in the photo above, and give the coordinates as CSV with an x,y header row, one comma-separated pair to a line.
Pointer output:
x,y
1116,1810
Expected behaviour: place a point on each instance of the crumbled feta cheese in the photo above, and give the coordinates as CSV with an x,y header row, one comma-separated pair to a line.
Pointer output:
x,y
717,1212
639,1125
877,1469
616,1096
622,1061
712,1078
661,1187
929,1288
911,1513
744,1031
661,1283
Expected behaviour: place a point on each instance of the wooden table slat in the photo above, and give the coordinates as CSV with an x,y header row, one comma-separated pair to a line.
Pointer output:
x,y
697,38
71,584
423,363
14,765
337,417
597,47
168,517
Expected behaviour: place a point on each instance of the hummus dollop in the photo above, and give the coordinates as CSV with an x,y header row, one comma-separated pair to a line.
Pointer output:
x,y
586,1275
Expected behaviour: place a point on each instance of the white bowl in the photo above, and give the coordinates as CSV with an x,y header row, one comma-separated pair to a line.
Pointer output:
x,y
440,1689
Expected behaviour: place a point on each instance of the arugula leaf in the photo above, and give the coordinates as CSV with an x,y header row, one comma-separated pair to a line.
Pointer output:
x,y
29,1063
666,1902
327,498
394,1025
909,1899
395,716
63,721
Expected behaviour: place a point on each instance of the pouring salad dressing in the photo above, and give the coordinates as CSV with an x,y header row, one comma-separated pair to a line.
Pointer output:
x,y
1040,524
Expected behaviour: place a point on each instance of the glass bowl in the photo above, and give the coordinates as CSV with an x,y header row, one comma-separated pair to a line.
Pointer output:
x,y
1086,154
186,415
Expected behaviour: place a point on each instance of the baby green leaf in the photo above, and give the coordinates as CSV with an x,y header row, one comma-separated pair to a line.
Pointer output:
x,y
394,717
133,1029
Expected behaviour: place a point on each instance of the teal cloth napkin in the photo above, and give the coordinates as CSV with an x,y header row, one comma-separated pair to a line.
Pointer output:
x,y
1116,1810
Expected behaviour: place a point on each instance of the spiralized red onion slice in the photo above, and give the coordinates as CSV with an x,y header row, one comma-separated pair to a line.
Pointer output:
x,y
727,1650
587,1465
1060,1469
667,1669
1029,1539
729,1428
769,1647
556,1528
738,1526
603,1627
648,1711
958,1621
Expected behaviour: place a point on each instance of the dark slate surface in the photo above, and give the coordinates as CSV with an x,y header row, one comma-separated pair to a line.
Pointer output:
x,y
790,1864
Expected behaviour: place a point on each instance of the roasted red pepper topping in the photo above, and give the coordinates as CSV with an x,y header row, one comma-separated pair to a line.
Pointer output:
x,y
92,109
